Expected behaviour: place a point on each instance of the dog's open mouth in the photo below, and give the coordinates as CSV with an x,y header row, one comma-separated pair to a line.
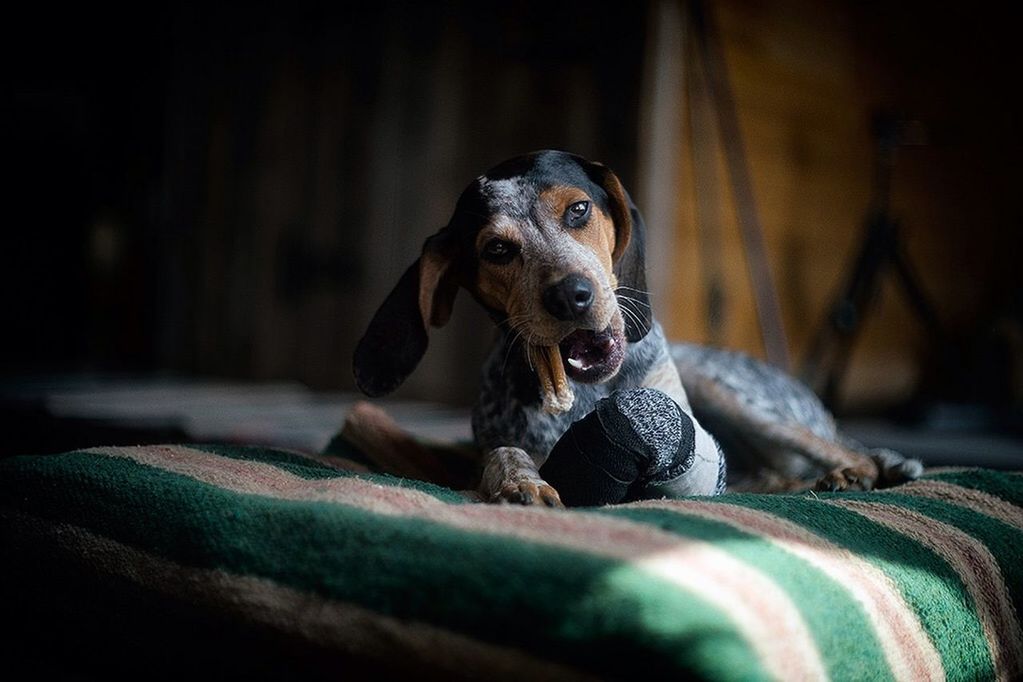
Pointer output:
x,y
592,356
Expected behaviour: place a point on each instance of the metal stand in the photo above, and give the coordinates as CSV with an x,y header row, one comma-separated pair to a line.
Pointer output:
x,y
882,248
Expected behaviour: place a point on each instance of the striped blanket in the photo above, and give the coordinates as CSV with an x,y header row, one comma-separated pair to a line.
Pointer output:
x,y
271,563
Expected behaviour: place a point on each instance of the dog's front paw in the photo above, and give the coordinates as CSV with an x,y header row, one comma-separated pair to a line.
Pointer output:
x,y
529,493
845,479
510,477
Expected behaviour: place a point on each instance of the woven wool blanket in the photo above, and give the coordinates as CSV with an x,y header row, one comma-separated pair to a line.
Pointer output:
x,y
248,561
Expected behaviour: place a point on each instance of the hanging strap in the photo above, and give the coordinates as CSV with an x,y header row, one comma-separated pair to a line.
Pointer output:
x,y
703,145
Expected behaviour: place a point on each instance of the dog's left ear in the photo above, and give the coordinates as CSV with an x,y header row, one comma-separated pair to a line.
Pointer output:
x,y
628,255
396,338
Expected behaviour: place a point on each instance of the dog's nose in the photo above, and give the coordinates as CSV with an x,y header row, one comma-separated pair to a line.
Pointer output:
x,y
570,298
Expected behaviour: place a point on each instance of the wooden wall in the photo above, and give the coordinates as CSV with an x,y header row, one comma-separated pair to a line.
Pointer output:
x,y
807,76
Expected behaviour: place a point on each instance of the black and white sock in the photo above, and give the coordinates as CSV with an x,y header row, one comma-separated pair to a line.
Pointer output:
x,y
635,444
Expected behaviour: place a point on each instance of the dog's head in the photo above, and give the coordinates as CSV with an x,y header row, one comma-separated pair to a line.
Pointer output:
x,y
551,245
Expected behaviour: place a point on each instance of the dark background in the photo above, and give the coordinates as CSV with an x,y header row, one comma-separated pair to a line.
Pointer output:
x,y
229,191
216,189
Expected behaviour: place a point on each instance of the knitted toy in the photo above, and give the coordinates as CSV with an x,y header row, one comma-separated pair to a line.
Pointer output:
x,y
635,444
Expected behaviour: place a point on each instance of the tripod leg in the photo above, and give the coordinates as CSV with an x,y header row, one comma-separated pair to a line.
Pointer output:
x,y
829,352
956,375
915,294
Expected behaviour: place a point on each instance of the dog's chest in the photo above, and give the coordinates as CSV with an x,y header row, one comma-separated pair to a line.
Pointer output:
x,y
502,419
509,411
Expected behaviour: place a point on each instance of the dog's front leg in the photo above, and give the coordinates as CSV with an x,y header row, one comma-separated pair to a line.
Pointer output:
x,y
510,475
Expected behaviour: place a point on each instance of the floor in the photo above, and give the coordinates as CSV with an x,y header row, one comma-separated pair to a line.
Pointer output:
x,y
940,446
58,413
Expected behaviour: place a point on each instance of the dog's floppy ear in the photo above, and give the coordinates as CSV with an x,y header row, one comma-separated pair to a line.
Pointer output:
x,y
396,338
628,255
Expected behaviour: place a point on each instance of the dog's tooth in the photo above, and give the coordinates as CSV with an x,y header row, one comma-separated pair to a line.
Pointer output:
x,y
575,362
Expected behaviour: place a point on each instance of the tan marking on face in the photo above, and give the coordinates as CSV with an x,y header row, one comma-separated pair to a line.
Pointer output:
x,y
495,283
598,234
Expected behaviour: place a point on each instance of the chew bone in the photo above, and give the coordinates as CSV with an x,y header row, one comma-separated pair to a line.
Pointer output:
x,y
554,387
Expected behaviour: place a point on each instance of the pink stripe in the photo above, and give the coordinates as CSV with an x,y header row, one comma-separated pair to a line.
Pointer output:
x,y
976,567
975,500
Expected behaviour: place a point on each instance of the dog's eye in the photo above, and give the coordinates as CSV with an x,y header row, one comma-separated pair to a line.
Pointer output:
x,y
499,251
577,214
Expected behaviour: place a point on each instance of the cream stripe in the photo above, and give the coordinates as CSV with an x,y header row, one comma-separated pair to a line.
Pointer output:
x,y
332,461
758,608
342,626
975,500
259,478
909,652
976,567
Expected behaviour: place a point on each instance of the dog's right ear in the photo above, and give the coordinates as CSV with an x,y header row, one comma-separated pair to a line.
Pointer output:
x,y
396,338
629,252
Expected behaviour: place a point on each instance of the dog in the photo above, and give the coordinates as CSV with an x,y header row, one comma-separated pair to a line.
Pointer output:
x,y
552,246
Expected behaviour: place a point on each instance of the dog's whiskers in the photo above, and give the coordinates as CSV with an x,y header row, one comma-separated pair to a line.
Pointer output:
x,y
627,304
518,326
638,291
643,325
635,318
507,354
634,301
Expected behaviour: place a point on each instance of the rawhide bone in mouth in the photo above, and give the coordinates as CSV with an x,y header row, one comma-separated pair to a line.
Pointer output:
x,y
554,387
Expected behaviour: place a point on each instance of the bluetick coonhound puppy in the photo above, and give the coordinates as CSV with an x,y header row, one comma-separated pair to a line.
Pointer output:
x,y
551,245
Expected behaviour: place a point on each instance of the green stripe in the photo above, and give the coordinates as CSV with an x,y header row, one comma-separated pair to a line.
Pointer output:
x,y
843,634
604,615
929,585
312,470
92,626
298,465
1007,486
1003,541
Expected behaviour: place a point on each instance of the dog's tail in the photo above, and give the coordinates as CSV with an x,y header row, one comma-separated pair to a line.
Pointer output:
x,y
391,450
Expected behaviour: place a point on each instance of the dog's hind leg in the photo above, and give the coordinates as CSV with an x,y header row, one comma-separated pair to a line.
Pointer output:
x,y
893,467
847,469
780,425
